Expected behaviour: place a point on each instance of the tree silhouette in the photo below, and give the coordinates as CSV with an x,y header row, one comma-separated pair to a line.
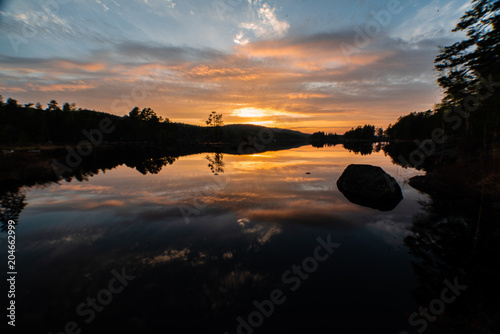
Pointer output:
x,y
366,132
53,106
69,107
469,70
215,121
11,205
148,114
11,104
134,113
416,125
363,148
154,165
216,164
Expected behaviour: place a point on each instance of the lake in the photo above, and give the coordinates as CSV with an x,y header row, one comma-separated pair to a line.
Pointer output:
x,y
260,243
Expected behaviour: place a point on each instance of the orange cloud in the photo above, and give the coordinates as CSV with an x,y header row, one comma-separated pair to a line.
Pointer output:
x,y
71,87
12,89
110,203
311,54
308,78
216,73
306,96
90,67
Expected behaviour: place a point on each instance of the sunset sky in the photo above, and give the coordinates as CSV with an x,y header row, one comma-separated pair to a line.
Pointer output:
x,y
300,64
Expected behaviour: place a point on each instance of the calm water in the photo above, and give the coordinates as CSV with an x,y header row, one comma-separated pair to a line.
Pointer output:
x,y
198,249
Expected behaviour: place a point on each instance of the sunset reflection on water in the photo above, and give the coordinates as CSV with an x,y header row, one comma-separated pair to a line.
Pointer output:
x,y
244,227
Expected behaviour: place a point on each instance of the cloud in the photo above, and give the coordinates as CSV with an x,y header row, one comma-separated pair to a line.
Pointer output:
x,y
168,256
143,52
317,51
171,4
240,40
106,8
8,89
267,25
433,20
73,86
262,232
26,29
35,22
160,3
268,20
306,76
306,96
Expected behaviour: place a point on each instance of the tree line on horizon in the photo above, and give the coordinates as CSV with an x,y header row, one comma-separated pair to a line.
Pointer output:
x,y
367,133
32,124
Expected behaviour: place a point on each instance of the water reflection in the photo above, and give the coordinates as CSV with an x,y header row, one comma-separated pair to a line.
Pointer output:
x,y
458,240
11,205
359,147
216,163
400,154
264,217
152,165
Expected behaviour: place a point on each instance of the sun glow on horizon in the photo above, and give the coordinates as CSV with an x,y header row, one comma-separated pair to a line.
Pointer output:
x,y
264,116
250,112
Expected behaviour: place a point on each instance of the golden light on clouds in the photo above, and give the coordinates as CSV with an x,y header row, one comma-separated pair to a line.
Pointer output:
x,y
259,64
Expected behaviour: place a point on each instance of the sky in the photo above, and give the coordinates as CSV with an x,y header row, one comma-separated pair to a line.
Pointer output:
x,y
307,65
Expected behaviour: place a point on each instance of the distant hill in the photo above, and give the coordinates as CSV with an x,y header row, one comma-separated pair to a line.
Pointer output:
x,y
242,131
28,126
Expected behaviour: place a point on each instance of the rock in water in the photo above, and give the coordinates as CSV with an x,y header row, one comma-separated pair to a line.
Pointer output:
x,y
370,186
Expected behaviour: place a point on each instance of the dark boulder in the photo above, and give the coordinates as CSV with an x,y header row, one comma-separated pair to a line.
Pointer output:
x,y
370,186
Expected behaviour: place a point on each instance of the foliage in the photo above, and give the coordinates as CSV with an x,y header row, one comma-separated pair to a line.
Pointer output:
x,y
23,124
320,139
470,72
53,106
214,120
416,125
366,132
